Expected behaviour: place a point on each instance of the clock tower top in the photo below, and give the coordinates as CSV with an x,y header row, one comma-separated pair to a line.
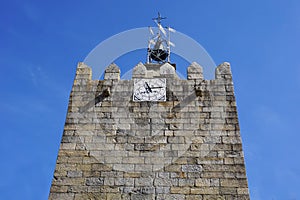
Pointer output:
x,y
156,136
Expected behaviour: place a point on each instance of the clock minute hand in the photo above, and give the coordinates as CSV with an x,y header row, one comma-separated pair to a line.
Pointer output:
x,y
156,87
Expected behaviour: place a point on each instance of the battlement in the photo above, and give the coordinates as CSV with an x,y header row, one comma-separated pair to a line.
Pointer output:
x,y
151,70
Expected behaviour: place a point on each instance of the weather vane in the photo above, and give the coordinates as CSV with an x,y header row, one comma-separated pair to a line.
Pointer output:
x,y
159,44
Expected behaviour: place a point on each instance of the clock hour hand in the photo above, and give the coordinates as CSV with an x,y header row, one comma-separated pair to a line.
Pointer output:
x,y
148,88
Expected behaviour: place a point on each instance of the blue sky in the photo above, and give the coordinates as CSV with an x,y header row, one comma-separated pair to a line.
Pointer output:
x,y
41,43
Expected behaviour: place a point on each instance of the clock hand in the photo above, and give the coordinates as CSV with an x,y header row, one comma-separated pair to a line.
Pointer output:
x,y
148,88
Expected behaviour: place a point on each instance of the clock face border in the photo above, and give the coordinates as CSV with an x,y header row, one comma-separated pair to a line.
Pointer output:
x,y
149,89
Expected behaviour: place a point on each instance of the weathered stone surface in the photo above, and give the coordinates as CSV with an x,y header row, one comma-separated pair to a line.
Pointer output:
x,y
223,71
82,72
65,196
139,71
94,181
188,147
112,68
194,72
167,70
112,72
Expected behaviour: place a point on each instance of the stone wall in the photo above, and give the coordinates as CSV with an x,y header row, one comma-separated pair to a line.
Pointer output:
x,y
188,147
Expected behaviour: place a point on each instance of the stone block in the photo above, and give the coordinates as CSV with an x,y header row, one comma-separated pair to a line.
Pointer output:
x,y
77,189
205,190
180,190
68,181
109,181
132,175
59,189
58,196
124,167
171,197
113,160
124,181
162,190
143,182
191,168
93,181
228,190
183,182
142,197
202,182
193,197
163,182
242,191
214,197
74,174
113,196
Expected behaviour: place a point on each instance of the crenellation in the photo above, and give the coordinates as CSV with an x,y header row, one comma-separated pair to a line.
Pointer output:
x,y
195,72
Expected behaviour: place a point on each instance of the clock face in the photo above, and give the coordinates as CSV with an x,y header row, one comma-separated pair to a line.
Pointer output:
x,y
149,89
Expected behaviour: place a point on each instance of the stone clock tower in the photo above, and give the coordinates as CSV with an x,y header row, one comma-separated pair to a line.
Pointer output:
x,y
155,136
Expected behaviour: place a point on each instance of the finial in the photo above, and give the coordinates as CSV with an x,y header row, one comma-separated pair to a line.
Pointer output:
x,y
159,18
159,44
